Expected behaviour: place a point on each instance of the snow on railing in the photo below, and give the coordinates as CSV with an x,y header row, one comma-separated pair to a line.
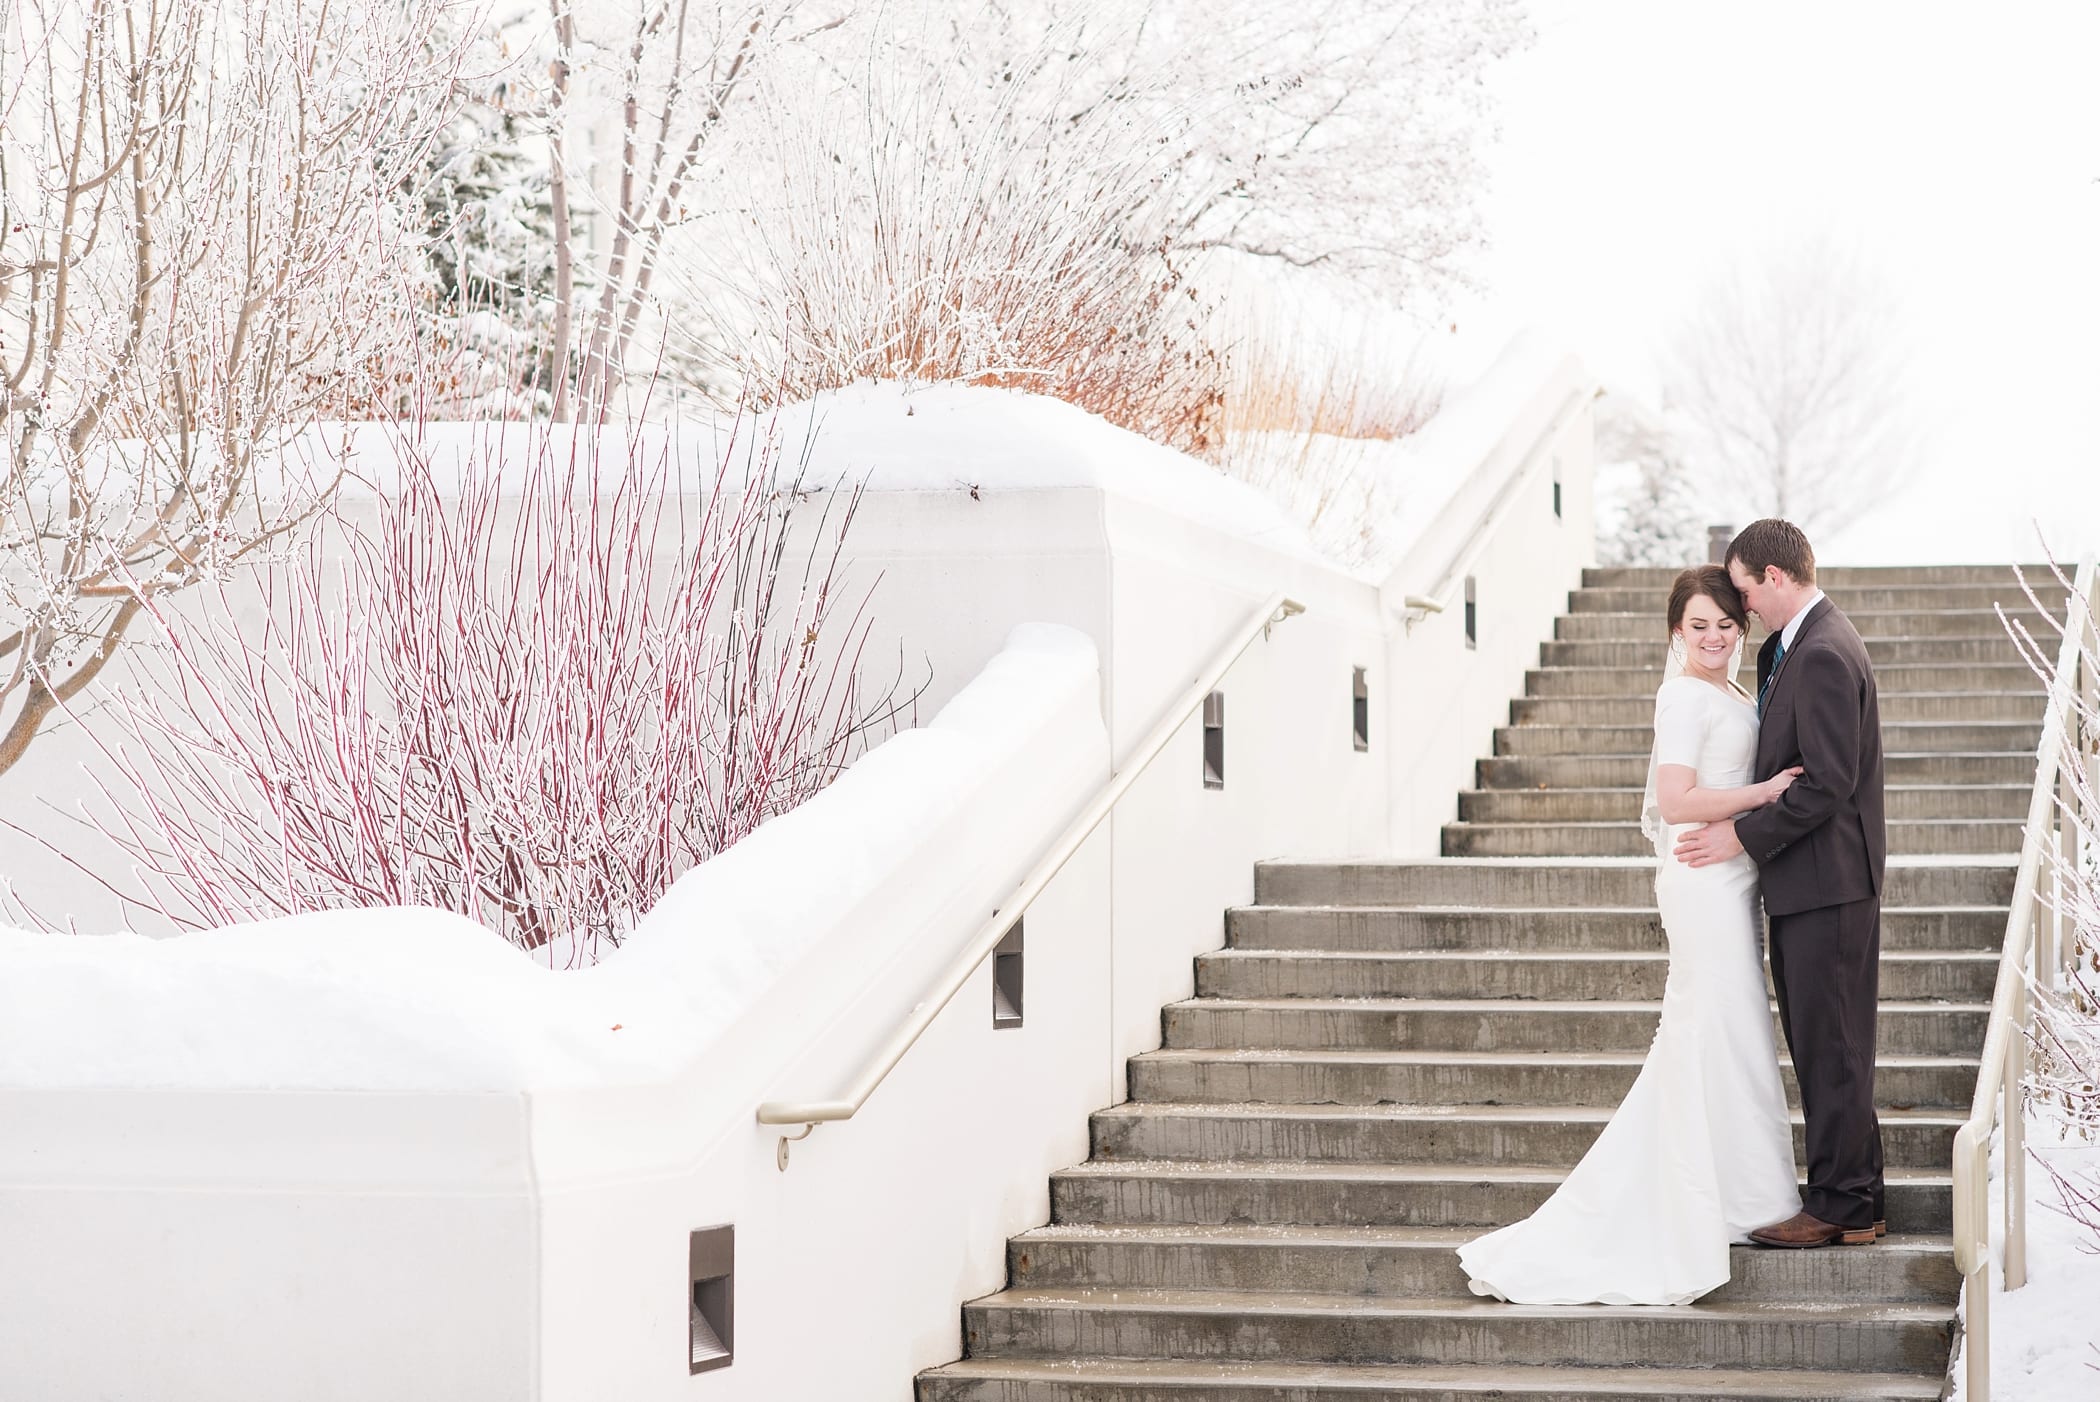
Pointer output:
x,y
2033,950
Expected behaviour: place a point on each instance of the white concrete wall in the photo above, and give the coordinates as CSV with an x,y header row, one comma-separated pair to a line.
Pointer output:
x,y
171,1245
1446,697
250,1245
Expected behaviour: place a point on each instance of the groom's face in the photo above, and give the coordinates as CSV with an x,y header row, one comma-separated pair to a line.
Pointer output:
x,y
1761,593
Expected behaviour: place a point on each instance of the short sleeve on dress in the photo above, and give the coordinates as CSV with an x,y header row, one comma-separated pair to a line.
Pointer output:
x,y
1680,722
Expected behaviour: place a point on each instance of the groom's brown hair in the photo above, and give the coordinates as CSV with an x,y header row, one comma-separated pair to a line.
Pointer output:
x,y
1762,544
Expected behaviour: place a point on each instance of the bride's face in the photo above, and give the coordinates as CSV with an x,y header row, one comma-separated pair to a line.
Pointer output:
x,y
1709,638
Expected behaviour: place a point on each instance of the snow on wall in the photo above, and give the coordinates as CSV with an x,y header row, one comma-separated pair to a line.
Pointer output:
x,y
391,1125
428,1000
885,435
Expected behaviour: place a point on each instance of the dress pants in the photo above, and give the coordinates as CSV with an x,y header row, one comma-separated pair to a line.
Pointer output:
x,y
1826,1010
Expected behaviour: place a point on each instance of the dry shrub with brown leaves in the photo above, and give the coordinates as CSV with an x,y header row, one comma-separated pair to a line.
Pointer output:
x,y
1031,196
1355,378
959,233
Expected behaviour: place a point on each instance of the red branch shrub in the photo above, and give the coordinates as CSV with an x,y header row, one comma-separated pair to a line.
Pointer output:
x,y
534,695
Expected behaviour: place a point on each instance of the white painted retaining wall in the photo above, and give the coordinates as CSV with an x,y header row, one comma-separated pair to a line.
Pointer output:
x,y
524,1236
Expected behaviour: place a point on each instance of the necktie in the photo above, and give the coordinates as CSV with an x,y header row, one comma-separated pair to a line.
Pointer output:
x,y
1770,677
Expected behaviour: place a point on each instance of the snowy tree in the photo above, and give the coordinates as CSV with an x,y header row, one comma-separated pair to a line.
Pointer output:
x,y
1791,376
1650,508
201,252
489,223
635,101
792,195
961,211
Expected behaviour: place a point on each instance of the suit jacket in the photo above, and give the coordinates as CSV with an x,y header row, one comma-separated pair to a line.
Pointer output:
x,y
1826,841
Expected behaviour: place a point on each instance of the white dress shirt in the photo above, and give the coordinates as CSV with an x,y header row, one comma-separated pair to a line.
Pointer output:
x,y
1793,625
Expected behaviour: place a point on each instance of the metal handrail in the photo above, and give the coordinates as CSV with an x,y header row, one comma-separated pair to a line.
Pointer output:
x,y
1999,1078
811,1113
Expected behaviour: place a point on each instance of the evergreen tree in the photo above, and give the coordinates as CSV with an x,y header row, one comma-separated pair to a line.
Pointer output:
x,y
489,227
1651,511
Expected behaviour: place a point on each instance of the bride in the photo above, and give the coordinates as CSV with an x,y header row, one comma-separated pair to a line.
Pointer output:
x,y
1701,1151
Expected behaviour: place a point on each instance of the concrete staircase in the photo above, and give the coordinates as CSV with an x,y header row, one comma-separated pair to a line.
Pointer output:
x,y
1388,1057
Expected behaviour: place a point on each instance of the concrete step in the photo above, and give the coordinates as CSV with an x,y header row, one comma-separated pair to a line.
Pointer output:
x,y
2006,678
1392,1055
1275,1193
1862,600
1911,837
1905,802
1375,928
1839,577
1553,1136
1571,882
1631,770
1342,1329
1914,737
1469,1022
1422,1262
1590,624
1240,1076
1998,649
1560,975
1897,708
1240,1380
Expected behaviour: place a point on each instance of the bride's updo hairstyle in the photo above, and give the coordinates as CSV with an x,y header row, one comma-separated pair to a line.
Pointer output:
x,y
1714,583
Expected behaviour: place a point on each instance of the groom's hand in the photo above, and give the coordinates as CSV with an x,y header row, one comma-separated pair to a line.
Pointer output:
x,y
1704,846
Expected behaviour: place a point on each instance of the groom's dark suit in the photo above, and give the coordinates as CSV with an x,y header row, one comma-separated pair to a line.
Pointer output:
x,y
1821,852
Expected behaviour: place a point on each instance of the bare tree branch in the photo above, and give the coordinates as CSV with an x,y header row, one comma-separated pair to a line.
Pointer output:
x,y
196,195
1790,380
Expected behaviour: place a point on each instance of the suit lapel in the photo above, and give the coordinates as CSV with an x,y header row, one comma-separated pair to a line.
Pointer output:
x,y
1769,748
1808,623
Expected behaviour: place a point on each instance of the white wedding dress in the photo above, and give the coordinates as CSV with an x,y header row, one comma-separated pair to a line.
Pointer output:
x,y
1701,1151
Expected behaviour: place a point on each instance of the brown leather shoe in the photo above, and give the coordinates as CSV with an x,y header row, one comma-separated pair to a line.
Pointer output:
x,y
1801,1230
1881,1228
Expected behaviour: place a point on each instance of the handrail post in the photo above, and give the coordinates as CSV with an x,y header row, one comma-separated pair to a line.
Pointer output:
x,y
2064,934
2088,758
1976,1334
1972,1252
2038,945
2015,1145
2048,932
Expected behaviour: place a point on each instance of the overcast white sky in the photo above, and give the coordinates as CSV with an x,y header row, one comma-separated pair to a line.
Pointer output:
x,y
1956,145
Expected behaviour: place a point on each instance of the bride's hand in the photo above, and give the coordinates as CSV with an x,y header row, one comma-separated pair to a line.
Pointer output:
x,y
1770,790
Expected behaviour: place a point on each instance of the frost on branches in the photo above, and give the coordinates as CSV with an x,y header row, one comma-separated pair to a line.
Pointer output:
x,y
1790,376
488,226
798,195
1651,510
199,254
2063,1086
532,684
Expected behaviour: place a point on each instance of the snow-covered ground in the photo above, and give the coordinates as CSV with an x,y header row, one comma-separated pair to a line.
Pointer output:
x,y
2045,1336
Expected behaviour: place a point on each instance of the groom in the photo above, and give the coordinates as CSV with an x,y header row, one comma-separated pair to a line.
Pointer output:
x,y
1820,853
